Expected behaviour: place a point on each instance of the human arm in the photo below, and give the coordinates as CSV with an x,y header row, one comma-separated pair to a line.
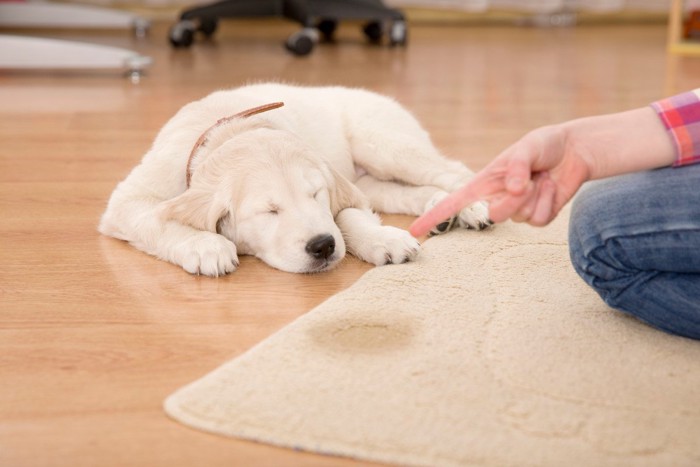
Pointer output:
x,y
535,177
547,167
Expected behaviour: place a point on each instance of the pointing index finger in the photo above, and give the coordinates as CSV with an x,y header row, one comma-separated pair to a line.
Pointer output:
x,y
480,188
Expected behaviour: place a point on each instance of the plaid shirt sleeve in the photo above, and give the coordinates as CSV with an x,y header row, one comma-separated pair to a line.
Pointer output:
x,y
681,117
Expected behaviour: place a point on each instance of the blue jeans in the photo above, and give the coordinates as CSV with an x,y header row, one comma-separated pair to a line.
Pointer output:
x,y
636,240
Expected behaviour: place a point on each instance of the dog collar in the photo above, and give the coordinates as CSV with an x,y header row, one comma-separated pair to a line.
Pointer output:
x,y
204,138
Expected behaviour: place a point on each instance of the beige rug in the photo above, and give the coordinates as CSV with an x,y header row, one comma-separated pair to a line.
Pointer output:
x,y
489,350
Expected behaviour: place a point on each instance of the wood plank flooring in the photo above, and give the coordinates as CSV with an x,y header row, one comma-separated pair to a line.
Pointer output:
x,y
94,334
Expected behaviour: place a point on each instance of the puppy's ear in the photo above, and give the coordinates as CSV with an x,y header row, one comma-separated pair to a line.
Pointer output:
x,y
197,208
222,131
345,194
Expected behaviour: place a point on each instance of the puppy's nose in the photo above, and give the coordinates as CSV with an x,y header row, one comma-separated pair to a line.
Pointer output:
x,y
321,246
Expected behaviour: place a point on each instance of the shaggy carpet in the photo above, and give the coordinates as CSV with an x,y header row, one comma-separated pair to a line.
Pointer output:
x,y
488,350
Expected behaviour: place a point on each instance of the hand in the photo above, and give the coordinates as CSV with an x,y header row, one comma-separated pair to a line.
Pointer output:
x,y
529,182
534,178
541,173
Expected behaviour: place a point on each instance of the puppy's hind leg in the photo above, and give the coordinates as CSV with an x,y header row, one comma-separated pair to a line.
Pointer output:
x,y
405,154
398,198
390,144
420,180
411,159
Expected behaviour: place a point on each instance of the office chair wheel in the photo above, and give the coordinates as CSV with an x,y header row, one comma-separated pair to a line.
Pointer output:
x,y
207,26
302,42
327,28
182,34
374,31
398,35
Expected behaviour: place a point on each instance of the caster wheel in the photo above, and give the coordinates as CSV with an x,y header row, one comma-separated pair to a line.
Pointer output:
x,y
141,28
327,28
373,31
398,35
302,42
207,26
136,67
182,34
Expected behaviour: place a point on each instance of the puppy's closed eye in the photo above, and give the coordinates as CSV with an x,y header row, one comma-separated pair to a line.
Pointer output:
x,y
322,196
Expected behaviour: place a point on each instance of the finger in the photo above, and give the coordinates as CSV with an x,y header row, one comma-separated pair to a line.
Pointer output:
x,y
528,207
518,171
525,212
481,187
544,212
445,209
506,206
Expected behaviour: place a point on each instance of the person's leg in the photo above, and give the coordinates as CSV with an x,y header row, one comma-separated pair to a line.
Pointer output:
x,y
636,240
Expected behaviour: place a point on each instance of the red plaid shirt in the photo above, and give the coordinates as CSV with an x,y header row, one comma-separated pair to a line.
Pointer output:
x,y
681,117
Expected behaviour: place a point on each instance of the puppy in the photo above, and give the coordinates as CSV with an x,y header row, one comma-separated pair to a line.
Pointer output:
x,y
294,183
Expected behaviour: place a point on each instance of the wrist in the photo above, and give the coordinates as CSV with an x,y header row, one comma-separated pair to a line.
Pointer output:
x,y
619,143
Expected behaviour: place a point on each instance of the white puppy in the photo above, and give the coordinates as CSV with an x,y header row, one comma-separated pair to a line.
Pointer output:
x,y
295,186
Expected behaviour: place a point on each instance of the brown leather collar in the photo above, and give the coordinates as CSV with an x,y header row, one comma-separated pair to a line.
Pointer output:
x,y
222,121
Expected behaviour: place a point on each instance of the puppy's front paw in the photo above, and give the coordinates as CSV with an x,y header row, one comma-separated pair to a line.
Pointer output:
x,y
475,216
389,245
447,224
208,254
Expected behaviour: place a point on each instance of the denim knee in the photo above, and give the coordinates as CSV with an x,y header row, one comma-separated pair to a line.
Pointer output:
x,y
621,261
599,261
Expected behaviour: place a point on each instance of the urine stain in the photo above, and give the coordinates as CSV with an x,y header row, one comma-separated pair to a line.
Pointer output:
x,y
363,335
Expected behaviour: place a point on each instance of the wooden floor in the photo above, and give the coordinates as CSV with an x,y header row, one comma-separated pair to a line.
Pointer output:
x,y
94,334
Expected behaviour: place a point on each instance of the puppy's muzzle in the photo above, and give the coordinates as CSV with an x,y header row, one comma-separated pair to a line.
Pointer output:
x,y
321,246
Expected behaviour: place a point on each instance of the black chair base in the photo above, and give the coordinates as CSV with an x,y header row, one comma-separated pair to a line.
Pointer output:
x,y
318,18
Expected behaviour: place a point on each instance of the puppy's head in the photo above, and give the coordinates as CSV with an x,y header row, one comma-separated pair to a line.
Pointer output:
x,y
266,191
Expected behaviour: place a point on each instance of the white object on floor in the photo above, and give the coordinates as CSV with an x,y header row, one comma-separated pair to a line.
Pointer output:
x,y
32,53
49,15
